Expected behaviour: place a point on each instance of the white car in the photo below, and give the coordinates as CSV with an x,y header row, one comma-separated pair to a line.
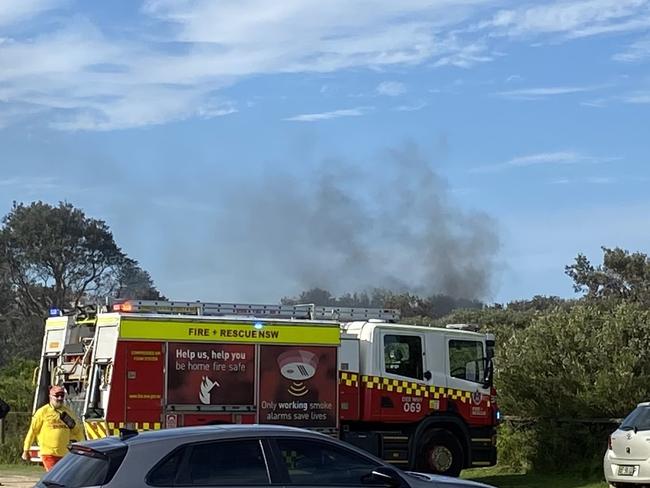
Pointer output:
x,y
627,460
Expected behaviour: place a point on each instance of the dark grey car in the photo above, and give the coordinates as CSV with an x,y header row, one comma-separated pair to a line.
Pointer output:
x,y
230,455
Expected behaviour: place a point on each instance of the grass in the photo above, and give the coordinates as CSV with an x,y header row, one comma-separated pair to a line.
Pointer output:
x,y
22,469
502,478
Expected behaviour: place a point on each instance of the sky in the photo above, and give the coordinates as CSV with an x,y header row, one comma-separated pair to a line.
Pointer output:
x,y
248,150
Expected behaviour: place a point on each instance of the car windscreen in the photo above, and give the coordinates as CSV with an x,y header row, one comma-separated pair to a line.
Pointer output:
x,y
83,468
639,419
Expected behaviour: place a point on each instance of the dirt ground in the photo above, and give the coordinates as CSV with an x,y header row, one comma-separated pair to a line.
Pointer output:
x,y
18,480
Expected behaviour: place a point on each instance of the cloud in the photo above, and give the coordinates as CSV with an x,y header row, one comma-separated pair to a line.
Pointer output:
x,y
545,92
391,88
183,53
34,185
596,103
571,19
13,11
545,159
561,181
636,52
77,77
562,157
464,56
411,108
334,114
600,180
513,78
636,98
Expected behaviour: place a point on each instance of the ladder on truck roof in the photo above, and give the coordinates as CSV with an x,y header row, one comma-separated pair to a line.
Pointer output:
x,y
305,312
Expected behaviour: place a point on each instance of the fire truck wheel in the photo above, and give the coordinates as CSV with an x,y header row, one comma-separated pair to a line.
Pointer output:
x,y
443,454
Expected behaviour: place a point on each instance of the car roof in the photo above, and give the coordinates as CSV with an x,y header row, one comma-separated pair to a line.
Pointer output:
x,y
198,433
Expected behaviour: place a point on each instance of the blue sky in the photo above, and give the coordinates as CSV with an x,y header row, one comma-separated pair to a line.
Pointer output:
x,y
247,150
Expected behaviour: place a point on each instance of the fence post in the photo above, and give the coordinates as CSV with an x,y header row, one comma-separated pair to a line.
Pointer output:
x,y
2,431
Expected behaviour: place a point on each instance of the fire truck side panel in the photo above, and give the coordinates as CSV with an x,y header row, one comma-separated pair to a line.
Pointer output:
x,y
116,399
217,418
144,381
298,386
53,342
349,379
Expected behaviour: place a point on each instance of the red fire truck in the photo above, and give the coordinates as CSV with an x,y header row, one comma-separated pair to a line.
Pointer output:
x,y
419,397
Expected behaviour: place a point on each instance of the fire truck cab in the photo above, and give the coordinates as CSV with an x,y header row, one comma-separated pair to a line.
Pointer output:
x,y
425,395
419,397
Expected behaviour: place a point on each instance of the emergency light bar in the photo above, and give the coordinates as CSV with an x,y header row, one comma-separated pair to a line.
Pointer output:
x,y
306,312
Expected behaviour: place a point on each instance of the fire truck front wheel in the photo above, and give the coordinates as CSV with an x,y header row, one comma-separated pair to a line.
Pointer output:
x,y
442,454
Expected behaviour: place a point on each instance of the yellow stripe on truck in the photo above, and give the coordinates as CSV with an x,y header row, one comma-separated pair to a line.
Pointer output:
x,y
206,331
417,389
114,427
95,429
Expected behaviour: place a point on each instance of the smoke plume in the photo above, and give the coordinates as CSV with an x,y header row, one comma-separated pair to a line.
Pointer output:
x,y
345,229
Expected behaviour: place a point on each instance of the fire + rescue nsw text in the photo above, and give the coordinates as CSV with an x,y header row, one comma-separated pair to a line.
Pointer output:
x,y
233,333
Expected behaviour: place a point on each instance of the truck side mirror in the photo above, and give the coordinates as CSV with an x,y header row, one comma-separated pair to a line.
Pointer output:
x,y
488,379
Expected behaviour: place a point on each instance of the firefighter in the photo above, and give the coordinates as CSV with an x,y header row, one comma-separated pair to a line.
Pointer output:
x,y
54,426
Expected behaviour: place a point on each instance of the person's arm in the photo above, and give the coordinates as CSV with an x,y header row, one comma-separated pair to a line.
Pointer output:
x,y
32,433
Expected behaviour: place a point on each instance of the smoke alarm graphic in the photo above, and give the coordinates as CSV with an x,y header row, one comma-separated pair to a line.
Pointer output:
x,y
298,366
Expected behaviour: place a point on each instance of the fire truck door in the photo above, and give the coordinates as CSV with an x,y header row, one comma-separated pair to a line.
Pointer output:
x,y
404,356
144,381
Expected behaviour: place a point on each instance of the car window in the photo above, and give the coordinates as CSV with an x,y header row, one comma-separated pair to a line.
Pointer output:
x,y
76,470
639,419
213,463
164,474
316,463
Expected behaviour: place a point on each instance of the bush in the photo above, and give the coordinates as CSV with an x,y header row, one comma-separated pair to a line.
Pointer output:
x,y
16,386
17,390
15,426
579,363
516,446
552,446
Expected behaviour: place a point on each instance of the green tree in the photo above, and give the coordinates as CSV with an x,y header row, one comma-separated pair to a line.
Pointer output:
x,y
56,256
317,296
16,383
134,282
623,275
412,307
587,361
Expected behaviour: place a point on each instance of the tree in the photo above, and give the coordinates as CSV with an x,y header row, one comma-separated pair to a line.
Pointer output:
x,y
587,361
56,255
16,331
134,282
419,309
623,275
317,296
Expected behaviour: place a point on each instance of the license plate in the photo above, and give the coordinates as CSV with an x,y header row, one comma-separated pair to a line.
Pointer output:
x,y
626,470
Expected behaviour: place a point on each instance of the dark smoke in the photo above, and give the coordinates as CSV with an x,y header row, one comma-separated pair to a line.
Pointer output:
x,y
351,229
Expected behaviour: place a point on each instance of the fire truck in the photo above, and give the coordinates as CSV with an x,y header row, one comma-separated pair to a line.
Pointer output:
x,y
419,397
